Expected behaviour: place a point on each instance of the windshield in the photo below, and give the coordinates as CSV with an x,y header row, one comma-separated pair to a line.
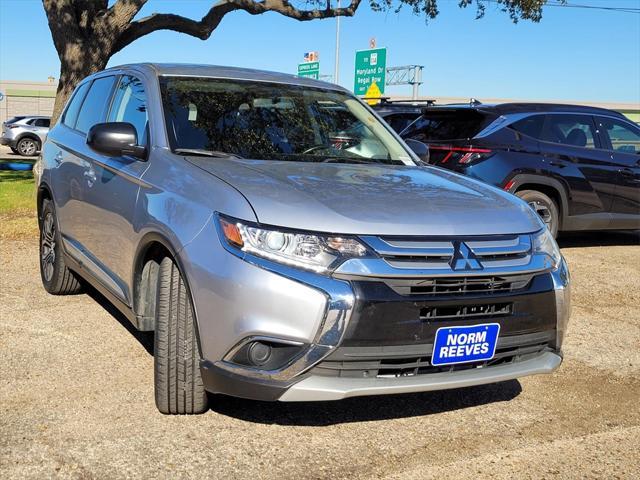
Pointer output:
x,y
271,121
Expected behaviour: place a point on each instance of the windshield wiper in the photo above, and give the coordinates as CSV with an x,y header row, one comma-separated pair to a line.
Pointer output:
x,y
206,153
338,159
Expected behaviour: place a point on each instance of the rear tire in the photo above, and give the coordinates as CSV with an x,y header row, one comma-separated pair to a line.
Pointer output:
x,y
178,382
544,206
28,147
57,279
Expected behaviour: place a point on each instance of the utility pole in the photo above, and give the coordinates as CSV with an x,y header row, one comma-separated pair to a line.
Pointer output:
x,y
336,70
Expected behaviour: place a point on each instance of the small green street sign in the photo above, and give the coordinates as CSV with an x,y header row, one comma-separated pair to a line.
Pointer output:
x,y
309,69
371,67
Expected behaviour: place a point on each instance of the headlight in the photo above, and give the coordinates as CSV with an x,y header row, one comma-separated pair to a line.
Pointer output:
x,y
311,251
544,243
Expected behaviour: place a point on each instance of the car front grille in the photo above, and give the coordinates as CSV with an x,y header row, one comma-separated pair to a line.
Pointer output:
x,y
459,285
432,253
457,312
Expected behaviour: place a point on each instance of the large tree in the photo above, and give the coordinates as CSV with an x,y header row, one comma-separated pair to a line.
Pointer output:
x,y
86,33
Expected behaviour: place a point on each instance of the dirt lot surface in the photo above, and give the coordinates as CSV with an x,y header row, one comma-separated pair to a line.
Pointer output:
x,y
76,399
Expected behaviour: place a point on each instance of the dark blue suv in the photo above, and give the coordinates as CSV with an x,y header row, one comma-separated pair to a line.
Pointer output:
x,y
578,167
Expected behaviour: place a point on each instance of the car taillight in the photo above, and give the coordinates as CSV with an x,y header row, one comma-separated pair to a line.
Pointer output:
x,y
11,125
457,155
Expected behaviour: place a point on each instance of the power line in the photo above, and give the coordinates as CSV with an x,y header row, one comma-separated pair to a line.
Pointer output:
x,y
594,7
588,7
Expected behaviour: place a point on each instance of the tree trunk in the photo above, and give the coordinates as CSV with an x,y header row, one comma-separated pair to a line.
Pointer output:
x,y
69,79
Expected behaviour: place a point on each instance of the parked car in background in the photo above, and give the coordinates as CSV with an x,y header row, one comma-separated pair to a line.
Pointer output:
x,y
277,258
25,134
400,113
578,167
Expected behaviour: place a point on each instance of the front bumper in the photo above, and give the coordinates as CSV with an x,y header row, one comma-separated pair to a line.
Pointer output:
x,y
315,387
540,313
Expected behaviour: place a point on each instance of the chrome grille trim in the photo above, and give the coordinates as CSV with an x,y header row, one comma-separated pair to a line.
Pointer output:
x,y
415,257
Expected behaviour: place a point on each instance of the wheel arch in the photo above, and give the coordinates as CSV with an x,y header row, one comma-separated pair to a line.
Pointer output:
x,y
44,192
30,135
152,248
551,187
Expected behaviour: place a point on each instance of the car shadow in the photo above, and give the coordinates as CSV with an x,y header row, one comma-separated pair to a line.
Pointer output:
x,y
144,338
364,409
599,239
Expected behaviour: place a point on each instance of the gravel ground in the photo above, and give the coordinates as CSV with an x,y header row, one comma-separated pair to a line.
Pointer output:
x,y
76,399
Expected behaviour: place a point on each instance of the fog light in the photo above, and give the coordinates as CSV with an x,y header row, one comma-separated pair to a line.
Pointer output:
x,y
259,353
265,353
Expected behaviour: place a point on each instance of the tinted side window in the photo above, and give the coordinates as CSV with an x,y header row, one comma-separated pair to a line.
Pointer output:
x,y
130,105
447,125
94,107
42,122
623,138
71,113
400,121
531,126
574,130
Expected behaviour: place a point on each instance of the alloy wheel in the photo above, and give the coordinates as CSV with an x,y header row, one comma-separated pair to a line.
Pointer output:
x,y
543,211
48,246
28,147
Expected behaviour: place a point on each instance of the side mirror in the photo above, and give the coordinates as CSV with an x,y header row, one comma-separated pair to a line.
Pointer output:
x,y
419,148
115,139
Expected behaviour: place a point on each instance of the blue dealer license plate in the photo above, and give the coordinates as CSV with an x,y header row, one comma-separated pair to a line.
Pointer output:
x,y
465,344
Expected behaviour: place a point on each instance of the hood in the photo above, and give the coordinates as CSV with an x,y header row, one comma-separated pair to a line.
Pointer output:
x,y
372,199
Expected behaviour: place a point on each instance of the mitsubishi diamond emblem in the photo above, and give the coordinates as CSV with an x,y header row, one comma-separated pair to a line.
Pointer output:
x,y
463,258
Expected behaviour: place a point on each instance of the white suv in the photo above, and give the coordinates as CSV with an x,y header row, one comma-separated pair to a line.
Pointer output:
x,y
25,134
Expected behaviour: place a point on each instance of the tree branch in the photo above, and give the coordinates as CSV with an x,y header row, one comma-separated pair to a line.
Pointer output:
x,y
203,28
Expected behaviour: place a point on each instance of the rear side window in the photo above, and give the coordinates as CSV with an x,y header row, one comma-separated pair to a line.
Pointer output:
x,y
42,122
400,121
130,105
531,126
94,107
623,138
71,113
447,125
573,130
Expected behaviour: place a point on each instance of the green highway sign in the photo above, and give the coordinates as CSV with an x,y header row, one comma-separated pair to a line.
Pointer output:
x,y
309,69
371,68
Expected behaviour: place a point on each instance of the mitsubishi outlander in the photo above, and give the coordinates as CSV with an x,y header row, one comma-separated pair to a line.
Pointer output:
x,y
284,243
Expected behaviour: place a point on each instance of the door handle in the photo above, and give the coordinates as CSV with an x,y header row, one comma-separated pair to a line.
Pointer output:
x,y
58,158
627,172
557,164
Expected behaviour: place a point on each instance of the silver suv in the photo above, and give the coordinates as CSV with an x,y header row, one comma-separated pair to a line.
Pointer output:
x,y
25,134
283,243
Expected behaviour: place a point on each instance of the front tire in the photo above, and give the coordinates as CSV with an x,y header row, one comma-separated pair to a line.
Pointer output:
x,y
544,206
178,382
27,147
57,279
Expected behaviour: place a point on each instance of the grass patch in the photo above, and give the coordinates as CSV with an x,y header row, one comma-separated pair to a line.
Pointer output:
x,y
17,205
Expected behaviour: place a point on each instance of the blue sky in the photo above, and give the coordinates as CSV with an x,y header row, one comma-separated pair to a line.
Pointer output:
x,y
572,54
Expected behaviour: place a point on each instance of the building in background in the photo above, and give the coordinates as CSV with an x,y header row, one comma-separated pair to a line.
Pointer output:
x,y
26,98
